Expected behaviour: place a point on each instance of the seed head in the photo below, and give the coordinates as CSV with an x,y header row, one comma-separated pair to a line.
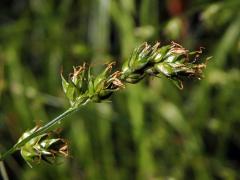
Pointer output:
x,y
172,61
83,86
43,147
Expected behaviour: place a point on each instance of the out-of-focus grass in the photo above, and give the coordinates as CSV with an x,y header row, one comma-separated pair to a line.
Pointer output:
x,y
148,131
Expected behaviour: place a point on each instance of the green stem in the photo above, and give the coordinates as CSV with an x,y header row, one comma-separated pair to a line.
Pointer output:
x,y
3,171
38,132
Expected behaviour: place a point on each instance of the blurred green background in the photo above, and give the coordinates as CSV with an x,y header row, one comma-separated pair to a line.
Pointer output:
x,y
148,131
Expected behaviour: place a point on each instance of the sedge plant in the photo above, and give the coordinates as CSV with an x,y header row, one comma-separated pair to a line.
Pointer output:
x,y
82,87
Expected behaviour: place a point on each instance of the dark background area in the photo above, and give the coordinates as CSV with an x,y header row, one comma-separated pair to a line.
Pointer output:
x,y
149,130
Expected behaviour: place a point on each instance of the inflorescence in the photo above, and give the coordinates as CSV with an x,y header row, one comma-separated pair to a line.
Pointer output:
x,y
171,61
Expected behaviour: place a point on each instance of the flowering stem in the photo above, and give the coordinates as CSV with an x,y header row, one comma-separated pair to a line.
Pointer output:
x,y
40,131
172,61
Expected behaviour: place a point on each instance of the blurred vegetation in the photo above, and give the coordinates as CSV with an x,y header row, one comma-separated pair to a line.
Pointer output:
x,y
149,131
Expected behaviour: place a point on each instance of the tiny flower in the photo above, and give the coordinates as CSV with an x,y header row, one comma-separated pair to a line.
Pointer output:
x,y
172,61
83,86
43,147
